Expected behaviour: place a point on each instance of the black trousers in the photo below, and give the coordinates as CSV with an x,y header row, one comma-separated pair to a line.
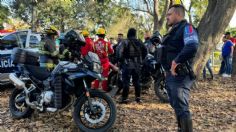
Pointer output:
x,y
127,73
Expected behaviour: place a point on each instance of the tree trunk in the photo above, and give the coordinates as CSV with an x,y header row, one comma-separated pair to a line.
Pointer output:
x,y
155,16
163,16
158,22
33,18
211,28
62,24
171,2
189,13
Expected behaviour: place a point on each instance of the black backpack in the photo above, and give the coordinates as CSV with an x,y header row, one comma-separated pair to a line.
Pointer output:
x,y
132,50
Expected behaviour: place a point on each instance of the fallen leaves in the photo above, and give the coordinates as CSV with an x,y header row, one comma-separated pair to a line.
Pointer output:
x,y
213,107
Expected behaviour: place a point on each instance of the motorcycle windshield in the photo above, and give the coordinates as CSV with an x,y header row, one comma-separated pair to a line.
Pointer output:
x,y
92,57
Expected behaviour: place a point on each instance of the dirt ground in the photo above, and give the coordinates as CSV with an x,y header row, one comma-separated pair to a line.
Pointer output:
x,y
213,107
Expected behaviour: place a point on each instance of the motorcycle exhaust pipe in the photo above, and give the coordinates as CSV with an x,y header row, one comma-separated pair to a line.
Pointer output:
x,y
21,85
16,81
20,100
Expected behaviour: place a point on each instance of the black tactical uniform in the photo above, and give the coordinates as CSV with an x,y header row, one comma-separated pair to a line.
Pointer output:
x,y
131,54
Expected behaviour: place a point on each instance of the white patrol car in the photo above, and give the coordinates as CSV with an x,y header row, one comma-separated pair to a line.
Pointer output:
x,y
23,39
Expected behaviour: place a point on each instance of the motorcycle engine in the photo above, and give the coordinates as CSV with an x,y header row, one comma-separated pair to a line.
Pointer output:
x,y
47,97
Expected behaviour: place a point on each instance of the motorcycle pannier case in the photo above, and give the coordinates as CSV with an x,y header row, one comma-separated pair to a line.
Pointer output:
x,y
21,56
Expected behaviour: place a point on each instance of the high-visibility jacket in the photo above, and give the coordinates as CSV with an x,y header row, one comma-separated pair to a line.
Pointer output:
x,y
48,54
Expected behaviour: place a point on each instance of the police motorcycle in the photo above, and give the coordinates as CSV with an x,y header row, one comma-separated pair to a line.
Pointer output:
x,y
68,85
152,72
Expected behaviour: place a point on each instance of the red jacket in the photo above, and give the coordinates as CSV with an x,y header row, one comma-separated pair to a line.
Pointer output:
x,y
88,46
233,40
103,49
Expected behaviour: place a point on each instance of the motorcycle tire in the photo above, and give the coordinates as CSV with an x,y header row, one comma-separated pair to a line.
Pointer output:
x,y
82,113
160,90
19,110
115,85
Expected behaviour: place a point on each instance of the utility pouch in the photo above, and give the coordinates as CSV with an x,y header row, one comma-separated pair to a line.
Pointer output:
x,y
185,69
181,70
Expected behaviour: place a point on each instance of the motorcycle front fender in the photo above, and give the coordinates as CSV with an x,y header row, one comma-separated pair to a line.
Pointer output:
x,y
96,75
77,75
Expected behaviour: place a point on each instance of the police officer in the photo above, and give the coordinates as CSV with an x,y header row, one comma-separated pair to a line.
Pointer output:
x,y
180,46
48,52
132,52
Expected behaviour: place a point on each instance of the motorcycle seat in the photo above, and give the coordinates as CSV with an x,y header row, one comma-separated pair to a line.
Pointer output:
x,y
39,73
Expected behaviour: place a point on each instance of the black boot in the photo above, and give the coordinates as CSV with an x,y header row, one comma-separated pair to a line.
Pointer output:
x,y
179,124
186,124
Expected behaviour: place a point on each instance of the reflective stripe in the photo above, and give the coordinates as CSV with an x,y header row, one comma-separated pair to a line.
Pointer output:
x,y
43,64
62,56
106,47
47,65
43,52
94,47
50,65
55,53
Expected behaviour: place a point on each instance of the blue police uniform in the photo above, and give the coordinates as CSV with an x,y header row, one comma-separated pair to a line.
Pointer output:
x,y
180,44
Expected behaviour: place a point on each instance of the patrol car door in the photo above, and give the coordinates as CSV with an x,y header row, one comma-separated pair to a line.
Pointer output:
x,y
7,43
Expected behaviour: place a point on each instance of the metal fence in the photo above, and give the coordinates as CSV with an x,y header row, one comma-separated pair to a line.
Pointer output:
x,y
216,61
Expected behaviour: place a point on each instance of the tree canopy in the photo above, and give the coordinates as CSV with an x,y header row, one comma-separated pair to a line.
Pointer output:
x,y
115,15
4,12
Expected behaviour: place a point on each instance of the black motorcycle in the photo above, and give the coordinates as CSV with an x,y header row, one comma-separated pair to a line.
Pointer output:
x,y
68,85
152,75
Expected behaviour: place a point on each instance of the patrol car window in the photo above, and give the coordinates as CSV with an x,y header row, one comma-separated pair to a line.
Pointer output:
x,y
34,41
9,42
23,36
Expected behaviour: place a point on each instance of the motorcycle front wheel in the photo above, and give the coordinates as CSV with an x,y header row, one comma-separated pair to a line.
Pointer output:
x,y
101,118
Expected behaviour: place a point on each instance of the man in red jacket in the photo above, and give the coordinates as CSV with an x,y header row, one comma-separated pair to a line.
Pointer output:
x,y
103,48
89,43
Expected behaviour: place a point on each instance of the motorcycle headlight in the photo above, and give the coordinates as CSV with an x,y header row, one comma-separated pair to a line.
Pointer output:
x,y
97,68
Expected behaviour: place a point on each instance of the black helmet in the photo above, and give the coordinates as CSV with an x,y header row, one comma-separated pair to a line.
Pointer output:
x,y
156,38
132,32
74,37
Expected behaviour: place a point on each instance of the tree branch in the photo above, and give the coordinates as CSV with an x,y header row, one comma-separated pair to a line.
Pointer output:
x,y
162,19
189,12
135,9
148,8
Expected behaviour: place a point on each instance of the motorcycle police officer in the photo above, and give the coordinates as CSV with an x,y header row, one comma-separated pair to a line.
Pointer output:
x,y
180,46
48,52
131,53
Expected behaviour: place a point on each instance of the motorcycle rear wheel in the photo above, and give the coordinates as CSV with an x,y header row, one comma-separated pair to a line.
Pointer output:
x,y
20,109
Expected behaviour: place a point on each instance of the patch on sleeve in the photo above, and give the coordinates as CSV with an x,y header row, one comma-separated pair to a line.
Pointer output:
x,y
190,35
